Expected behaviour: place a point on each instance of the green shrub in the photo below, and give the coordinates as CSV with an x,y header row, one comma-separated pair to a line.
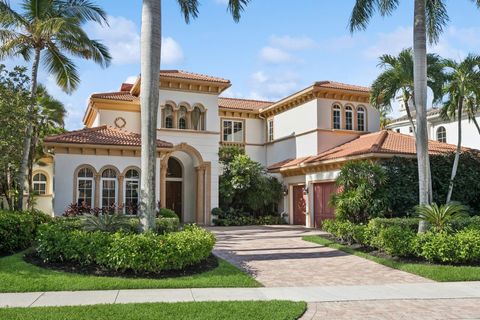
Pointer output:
x,y
440,216
465,223
395,241
166,213
405,223
345,231
234,217
18,229
120,251
166,225
106,222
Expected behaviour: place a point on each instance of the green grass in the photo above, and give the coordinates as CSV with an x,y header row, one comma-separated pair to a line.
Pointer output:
x,y
16,275
431,271
238,310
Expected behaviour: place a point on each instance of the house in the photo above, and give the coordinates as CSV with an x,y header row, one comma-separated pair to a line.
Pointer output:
x,y
303,139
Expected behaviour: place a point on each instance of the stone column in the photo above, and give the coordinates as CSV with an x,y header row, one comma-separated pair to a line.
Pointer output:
x,y
96,201
189,120
163,182
208,193
120,193
200,217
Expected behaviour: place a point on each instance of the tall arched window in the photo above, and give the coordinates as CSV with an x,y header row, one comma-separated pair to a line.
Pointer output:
x,y
168,116
337,117
109,188
348,118
132,185
182,118
85,187
441,134
361,119
40,184
198,118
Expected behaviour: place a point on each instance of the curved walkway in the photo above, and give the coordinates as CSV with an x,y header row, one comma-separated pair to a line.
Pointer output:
x,y
278,257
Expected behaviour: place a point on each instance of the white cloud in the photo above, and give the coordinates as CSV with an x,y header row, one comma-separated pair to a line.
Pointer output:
x,y
390,43
259,77
273,86
274,55
123,40
292,43
131,79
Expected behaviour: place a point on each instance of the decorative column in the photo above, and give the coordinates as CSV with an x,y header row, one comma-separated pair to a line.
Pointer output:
x,y
189,120
163,181
120,192
208,193
199,218
96,201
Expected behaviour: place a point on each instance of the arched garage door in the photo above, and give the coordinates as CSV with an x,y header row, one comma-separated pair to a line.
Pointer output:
x,y
322,210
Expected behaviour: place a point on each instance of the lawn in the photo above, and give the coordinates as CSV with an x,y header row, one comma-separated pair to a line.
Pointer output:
x,y
19,276
431,271
237,310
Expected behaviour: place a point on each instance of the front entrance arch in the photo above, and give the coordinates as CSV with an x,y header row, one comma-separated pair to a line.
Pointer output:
x,y
174,187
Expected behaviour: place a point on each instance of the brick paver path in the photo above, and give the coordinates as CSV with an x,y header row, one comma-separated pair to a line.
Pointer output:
x,y
395,309
278,257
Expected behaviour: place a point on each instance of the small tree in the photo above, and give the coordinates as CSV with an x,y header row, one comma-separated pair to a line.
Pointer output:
x,y
361,195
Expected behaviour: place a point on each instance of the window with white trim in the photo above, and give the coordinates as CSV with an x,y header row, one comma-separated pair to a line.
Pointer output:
x,y
40,184
270,130
337,117
361,119
108,184
182,118
132,186
348,118
85,187
442,134
168,116
232,131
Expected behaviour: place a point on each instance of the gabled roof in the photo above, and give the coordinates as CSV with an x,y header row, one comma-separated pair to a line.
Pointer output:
x,y
191,76
117,96
242,104
341,86
103,135
375,144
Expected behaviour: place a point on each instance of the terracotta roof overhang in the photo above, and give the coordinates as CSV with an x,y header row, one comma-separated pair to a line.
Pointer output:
x,y
320,89
242,104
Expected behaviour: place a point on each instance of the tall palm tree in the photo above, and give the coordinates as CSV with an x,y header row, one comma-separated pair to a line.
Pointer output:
x,y
462,89
45,31
397,81
430,17
149,93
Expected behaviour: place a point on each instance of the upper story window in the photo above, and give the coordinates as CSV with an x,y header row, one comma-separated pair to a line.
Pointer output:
x,y
85,186
233,131
182,118
270,130
348,118
441,134
168,116
337,117
361,119
198,119
40,184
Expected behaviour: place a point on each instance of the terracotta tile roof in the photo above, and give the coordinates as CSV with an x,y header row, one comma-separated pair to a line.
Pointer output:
x,y
191,76
126,86
381,142
242,104
341,86
103,135
119,96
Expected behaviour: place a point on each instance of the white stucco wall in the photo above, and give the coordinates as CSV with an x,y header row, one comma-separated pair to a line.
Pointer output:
x,y
132,119
44,203
296,120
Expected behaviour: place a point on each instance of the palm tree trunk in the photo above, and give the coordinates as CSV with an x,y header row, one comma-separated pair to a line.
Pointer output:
x,y
31,160
28,133
149,96
474,119
409,115
420,89
457,152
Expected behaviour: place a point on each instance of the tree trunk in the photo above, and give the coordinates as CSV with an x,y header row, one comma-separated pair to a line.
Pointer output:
x,y
457,152
420,89
474,119
149,97
409,115
31,160
28,133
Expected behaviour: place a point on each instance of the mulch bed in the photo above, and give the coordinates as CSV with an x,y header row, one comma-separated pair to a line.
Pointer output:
x,y
208,264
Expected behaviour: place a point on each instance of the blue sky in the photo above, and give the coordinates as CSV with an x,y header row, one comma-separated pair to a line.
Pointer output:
x,y
272,52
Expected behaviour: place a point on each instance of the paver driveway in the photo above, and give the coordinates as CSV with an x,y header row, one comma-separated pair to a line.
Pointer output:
x,y
278,257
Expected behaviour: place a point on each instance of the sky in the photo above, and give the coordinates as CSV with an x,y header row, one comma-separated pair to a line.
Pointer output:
x,y
277,48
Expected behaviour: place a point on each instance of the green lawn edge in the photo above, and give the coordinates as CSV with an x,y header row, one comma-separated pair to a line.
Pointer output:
x,y
441,273
19,276
235,310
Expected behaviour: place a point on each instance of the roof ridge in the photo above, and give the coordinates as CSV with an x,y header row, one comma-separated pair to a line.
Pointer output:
x,y
243,99
73,132
376,146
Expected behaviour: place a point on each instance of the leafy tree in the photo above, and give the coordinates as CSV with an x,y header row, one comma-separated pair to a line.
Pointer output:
x,y
361,195
14,97
151,45
49,29
397,80
463,89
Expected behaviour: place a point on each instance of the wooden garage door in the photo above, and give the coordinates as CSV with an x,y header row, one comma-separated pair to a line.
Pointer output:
x,y
322,210
299,205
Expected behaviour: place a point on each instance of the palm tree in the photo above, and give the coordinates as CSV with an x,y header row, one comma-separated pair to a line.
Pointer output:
x,y
430,17
46,31
462,89
397,81
149,93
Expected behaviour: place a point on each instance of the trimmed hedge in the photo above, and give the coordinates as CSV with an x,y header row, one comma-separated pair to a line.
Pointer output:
x,y
18,229
234,217
120,251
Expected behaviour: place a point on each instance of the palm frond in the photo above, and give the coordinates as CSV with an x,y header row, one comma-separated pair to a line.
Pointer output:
x,y
83,10
361,14
9,18
189,9
436,19
61,67
440,216
236,7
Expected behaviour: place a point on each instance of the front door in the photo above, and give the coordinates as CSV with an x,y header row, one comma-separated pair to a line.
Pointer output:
x,y
174,197
322,210
299,205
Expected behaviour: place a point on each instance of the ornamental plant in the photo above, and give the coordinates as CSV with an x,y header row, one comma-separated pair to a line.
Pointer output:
x,y
440,216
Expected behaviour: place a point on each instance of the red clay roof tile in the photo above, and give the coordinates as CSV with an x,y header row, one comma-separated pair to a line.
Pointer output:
x,y
242,104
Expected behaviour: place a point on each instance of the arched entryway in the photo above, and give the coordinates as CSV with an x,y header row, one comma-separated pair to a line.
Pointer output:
x,y
174,186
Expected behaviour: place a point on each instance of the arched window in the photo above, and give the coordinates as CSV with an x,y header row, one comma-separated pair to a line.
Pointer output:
x,y
182,118
441,134
109,188
132,186
198,119
168,116
337,117
348,118
361,119
174,169
85,187
40,184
